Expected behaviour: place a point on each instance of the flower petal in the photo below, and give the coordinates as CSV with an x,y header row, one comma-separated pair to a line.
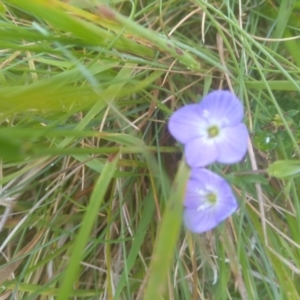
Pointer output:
x,y
227,203
203,221
200,152
232,144
186,123
199,222
192,198
222,107
226,209
206,177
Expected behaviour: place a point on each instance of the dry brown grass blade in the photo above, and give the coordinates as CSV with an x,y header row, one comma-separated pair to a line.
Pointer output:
x,y
6,271
5,295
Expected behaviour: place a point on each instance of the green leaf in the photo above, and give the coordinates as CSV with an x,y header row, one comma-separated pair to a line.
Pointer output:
x,y
284,168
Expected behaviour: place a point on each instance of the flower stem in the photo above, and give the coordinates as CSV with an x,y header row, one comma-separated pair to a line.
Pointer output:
x,y
264,171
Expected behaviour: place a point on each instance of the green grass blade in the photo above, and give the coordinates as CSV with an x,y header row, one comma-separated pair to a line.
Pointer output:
x,y
72,271
146,218
167,236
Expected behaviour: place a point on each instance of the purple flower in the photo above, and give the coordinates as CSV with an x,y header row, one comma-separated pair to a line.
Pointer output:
x,y
211,130
208,201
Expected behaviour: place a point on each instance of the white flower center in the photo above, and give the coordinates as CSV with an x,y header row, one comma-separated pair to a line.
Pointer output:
x,y
210,198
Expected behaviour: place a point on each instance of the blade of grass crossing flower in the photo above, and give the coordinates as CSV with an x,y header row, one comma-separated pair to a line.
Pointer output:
x,y
167,236
72,271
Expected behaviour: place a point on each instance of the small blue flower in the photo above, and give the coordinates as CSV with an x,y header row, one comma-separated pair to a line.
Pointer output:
x,y
212,130
208,201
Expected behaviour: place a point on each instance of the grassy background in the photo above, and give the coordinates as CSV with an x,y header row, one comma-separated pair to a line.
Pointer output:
x,y
91,199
